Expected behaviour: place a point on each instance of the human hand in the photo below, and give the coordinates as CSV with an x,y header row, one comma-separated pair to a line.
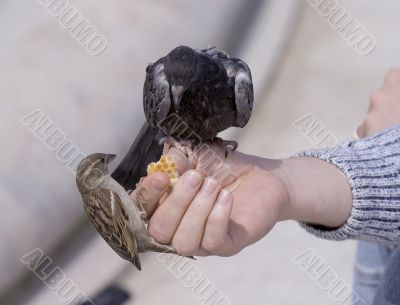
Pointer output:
x,y
199,216
384,110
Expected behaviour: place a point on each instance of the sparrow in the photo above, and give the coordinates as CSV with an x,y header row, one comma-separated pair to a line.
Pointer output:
x,y
205,89
115,215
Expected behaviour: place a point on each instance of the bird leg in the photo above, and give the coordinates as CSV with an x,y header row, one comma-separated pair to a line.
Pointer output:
x,y
140,201
157,247
154,246
168,142
226,145
188,148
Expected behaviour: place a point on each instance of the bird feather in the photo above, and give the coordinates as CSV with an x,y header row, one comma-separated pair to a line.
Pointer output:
x,y
112,222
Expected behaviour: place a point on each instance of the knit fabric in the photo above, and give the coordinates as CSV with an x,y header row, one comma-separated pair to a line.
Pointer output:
x,y
372,166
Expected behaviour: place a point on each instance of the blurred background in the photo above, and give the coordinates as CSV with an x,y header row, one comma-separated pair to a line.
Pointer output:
x,y
300,65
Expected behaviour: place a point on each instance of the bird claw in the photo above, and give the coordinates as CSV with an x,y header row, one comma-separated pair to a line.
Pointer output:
x,y
226,145
170,143
188,148
140,201
157,247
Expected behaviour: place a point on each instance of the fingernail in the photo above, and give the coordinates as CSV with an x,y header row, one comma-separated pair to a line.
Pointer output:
x,y
224,197
192,179
159,184
209,186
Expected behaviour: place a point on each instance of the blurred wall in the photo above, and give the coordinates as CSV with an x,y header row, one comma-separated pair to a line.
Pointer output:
x,y
96,101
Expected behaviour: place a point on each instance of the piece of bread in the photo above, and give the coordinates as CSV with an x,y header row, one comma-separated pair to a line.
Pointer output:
x,y
166,165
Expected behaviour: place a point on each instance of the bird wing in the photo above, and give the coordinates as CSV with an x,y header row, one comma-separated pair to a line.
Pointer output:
x,y
239,70
214,52
112,222
156,94
244,94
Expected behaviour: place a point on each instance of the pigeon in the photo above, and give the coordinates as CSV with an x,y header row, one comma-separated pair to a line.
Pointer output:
x,y
145,149
204,89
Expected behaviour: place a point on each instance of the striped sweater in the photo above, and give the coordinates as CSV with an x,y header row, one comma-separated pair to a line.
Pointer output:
x,y
372,166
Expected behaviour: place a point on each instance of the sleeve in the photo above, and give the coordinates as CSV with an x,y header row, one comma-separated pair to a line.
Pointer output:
x,y
372,166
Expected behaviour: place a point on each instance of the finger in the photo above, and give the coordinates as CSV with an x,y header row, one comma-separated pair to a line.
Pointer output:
x,y
216,239
151,190
183,163
187,238
167,217
359,133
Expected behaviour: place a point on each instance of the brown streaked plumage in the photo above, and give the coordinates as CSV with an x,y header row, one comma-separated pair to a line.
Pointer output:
x,y
118,219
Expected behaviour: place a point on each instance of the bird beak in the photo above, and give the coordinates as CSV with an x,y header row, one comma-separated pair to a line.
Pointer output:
x,y
110,158
177,93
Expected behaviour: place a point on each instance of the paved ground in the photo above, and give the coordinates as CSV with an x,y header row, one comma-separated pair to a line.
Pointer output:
x,y
320,74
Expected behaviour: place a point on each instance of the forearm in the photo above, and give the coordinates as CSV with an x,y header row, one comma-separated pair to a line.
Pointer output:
x,y
350,192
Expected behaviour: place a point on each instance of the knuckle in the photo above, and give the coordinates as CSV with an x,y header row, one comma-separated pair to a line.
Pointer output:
x,y
211,245
176,201
368,120
377,97
183,247
361,130
393,76
371,117
156,231
199,206
367,126
214,219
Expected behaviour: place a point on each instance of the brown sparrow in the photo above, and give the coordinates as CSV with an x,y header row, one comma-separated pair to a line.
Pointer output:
x,y
116,216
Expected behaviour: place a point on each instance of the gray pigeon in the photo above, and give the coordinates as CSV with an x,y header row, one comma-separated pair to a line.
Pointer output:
x,y
205,89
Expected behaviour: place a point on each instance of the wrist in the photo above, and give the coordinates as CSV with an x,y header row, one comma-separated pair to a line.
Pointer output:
x,y
318,192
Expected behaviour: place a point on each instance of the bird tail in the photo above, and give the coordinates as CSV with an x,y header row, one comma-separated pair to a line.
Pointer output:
x,y
136,262
157,247
144,150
